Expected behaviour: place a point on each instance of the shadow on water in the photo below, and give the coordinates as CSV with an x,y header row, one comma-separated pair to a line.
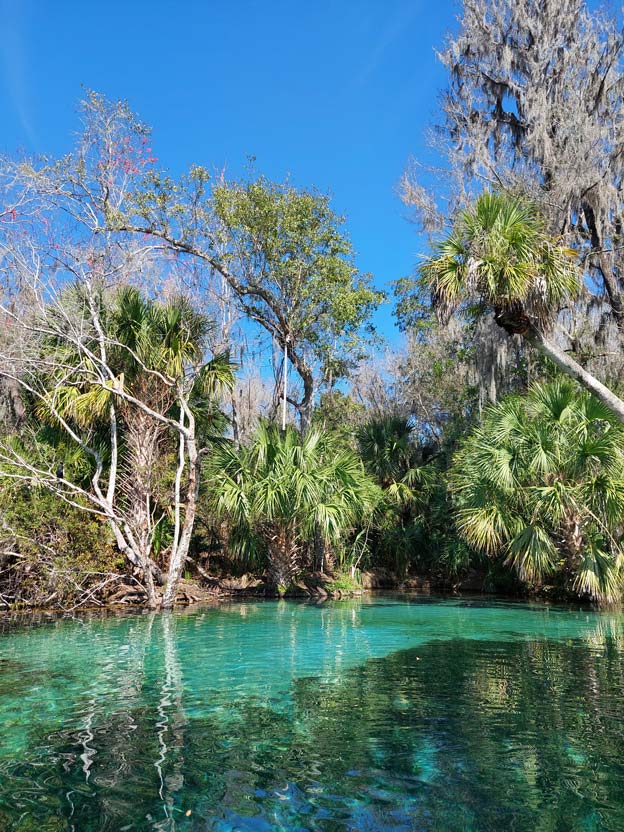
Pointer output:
x,y
132,724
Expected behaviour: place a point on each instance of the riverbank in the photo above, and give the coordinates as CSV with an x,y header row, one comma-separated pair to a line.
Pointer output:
x,y
120,592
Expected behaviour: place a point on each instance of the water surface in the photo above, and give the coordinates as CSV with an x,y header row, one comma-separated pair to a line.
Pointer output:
x,y
374,714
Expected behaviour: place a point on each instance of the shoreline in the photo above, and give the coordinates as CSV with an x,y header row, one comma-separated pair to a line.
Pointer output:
x,y
35,616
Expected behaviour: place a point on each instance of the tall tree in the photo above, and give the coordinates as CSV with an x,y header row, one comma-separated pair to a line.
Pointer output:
x,y
292,268
535,99
282,251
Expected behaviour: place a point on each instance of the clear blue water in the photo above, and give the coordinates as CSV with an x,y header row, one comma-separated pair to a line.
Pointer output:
x,y
373,714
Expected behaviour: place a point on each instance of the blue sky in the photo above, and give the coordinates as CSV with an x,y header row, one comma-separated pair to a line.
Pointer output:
x,y
336,95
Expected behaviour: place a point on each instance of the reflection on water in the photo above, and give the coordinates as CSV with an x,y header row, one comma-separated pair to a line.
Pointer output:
x,y
363,715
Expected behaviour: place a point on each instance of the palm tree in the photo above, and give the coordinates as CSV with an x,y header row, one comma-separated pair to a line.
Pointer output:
x,y
390,455
499,256
540,482
155,355
165,341
285,488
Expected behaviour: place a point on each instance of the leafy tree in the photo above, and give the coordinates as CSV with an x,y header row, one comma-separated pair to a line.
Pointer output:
x,y
286,488
281,252
498,256
291,266
541,483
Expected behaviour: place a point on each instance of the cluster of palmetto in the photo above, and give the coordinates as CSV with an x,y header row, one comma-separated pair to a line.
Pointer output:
x,y
540,482
286,491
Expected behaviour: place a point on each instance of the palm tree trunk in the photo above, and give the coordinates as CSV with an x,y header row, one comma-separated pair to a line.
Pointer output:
x,y
283,558
319,550
150,587
138,557
571,368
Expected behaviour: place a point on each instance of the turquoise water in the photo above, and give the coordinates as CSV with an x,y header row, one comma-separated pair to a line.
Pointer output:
x,y
383,714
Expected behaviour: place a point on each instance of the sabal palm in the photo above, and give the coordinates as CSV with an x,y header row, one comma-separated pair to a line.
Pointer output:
x,y
541,483
390,455
146,340
284,488
499,257
155,355
499,254
165,337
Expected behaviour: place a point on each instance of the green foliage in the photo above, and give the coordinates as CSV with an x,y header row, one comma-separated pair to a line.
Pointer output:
x,y
344,583
53,552
338,413
391,456
389,453
285,489
499,255
540,483
536,483
119,372
304,277
436,549
164,337
152,347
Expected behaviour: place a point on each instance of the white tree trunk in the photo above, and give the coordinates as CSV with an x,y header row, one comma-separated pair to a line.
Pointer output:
x,y
182,537
571,368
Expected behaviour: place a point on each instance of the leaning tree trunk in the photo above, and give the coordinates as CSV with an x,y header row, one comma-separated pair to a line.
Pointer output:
x,y
571,368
